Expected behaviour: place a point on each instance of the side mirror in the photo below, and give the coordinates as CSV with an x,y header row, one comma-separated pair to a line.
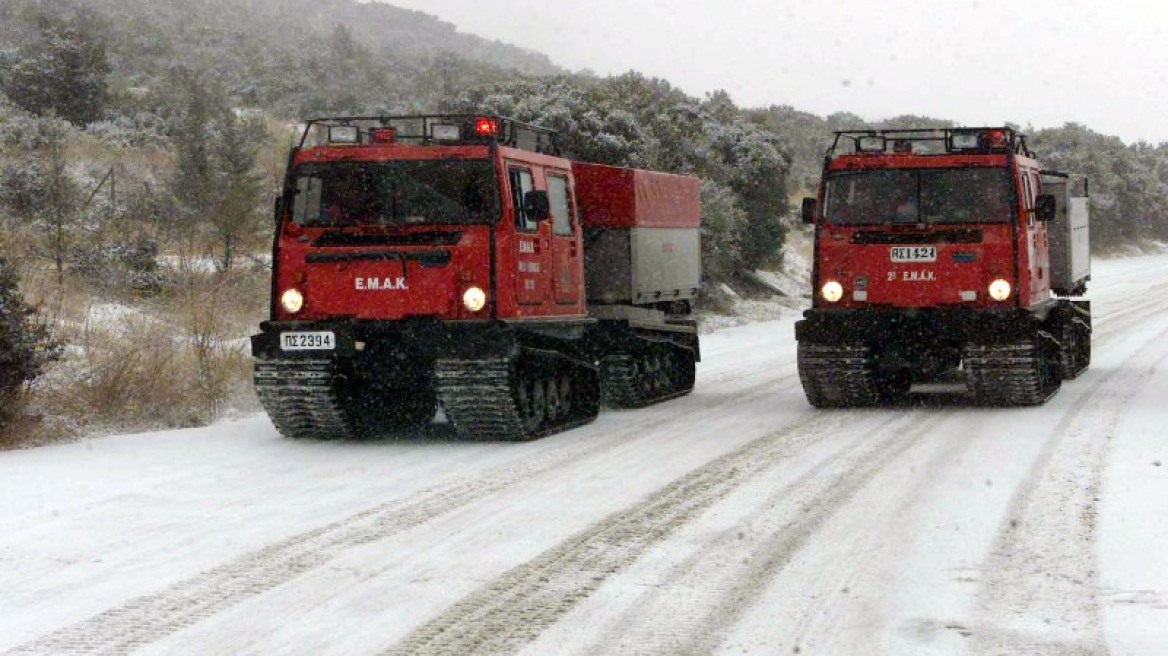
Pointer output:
x,y
537,205
1045,207
278,211
810,206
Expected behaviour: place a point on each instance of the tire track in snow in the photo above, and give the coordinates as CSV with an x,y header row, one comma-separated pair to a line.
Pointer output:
x,y
1117,321
152,617
837,583
516,607
697,624
809,618
1039,592
663,621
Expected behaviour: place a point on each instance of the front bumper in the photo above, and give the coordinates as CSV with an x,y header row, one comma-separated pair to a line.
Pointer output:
x,y
420,338
919,325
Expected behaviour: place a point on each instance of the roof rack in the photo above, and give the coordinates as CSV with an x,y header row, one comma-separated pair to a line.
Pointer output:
x,y
429,130
930,141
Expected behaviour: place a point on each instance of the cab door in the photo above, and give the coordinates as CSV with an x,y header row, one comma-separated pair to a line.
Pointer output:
x,y
567,260
1037,248
532,256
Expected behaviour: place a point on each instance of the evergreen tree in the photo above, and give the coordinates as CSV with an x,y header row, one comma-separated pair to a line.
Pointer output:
x,y
215,181
60,209
235,215
758,168
192,182
192,168
26,345
63,70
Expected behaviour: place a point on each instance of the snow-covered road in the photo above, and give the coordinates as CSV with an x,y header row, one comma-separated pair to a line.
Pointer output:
x,y
735,520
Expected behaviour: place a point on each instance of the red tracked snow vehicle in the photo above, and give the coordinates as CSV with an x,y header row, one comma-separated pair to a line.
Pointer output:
x,y
461,261
943,250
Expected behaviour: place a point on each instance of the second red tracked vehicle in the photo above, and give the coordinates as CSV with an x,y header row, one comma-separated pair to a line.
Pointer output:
x,y
942,252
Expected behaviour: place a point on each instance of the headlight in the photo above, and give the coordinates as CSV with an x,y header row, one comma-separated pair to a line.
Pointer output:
x,y
292,300
999,290
833,291
474,299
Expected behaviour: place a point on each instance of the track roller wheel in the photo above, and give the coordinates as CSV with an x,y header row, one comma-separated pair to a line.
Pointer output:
x,y
652,374
531,399
528,396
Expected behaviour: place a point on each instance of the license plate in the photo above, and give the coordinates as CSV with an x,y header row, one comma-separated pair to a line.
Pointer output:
x,y
914,253
320,340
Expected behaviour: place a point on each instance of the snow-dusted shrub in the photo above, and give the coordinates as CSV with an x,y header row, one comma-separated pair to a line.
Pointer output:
x,y
22,188
122,264
140,130
24,131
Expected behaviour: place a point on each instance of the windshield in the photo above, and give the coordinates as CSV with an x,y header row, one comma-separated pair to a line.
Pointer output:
x,y
969,195
395,193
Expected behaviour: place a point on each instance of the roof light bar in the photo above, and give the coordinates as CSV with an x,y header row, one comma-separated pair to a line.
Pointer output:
x,y
930,141
485,126
382,135
994,139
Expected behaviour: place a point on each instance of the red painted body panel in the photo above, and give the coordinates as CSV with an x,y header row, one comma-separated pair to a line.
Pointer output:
x,y
1017,252
537,274
387,152
612,197
530,263
382,288
959,267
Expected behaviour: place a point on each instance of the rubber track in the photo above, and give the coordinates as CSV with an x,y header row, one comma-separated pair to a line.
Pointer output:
x,y
478,396
301,398
620,386
1072,362
837,376
1005,374
618,382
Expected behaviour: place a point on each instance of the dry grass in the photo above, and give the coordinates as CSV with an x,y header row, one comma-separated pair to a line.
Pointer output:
x,y
122,378
215,313
178,360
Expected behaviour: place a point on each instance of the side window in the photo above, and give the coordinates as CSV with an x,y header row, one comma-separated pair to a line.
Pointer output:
x,y
1028,196
561,205
306,208
520,180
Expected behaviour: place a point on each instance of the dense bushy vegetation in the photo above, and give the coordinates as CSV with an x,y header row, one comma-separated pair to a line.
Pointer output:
x,y
288,56
1128,183
141,142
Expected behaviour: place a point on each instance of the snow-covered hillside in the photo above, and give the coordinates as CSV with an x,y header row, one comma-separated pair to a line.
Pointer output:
x,y
734,520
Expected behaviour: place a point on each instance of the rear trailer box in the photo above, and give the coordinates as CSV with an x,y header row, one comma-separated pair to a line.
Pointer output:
x,y
1069,233
641,234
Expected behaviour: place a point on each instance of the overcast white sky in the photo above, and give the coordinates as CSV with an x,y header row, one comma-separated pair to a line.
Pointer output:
x,y
1037,63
